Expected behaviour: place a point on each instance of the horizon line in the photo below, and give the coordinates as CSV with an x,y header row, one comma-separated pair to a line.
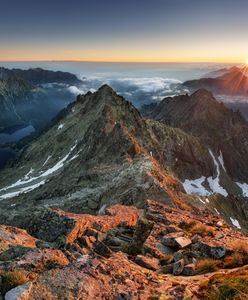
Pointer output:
x,y
130,62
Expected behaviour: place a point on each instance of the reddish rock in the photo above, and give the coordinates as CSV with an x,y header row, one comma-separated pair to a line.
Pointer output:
x,y
147,262
176,241
64,227
37,261
11,236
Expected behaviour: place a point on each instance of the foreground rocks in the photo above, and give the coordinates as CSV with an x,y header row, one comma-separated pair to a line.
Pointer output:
x,y
126,253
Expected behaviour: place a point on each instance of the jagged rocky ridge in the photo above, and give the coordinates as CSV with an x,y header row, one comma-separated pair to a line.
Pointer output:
x,y
101,153
221,129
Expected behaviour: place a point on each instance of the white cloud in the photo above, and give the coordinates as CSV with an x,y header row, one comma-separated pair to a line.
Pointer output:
x,y
76,91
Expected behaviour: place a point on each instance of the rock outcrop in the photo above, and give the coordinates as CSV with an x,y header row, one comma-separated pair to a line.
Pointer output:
x,y
74,268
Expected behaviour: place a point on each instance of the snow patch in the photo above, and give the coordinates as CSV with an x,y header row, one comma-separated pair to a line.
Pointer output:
x,y
244,188
216,210
61,126
23,190
221,161
46,161
214,183
195,187
101,211
27,176
27,179
235,223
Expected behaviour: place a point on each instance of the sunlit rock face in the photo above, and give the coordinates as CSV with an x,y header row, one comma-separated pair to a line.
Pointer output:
x,y
125,251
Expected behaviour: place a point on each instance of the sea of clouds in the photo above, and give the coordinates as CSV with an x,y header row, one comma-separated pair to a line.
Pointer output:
x,y
139,91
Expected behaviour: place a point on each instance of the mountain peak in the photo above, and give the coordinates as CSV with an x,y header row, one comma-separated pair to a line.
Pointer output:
x,y
106,89
203,93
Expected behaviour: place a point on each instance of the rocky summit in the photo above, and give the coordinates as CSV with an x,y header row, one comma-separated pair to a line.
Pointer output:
x,y
108,204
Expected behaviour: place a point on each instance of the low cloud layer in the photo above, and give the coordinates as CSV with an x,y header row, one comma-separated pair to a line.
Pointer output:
x,y
137,90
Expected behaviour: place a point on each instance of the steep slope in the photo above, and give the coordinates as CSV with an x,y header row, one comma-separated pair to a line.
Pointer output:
x,y
232,82
101,151
11,91
223,130
24,92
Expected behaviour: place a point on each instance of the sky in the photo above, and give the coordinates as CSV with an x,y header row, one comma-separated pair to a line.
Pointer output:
x,y
124,30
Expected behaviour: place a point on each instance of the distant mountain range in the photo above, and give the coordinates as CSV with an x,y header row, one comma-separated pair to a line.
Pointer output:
x,y
39,76
233,81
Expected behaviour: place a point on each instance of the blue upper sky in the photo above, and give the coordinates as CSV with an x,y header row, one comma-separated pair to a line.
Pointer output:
x,y
130,30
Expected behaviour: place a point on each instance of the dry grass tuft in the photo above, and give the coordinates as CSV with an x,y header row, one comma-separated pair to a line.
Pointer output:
x,y
202,230
11,280
207,265
240,246
226,287
235,260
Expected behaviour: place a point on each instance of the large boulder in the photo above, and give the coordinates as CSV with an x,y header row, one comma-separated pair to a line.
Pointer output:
x,y
210,250
20,292
11,236
178,267
175,240
147,262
